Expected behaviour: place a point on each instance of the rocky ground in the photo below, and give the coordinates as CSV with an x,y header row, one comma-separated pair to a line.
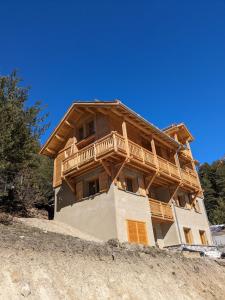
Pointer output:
x,y
36,264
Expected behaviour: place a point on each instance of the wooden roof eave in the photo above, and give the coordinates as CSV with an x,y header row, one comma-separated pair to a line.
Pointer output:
x,y
118,107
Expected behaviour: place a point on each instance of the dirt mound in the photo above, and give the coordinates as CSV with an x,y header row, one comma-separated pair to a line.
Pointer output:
x,y
55,226
36,264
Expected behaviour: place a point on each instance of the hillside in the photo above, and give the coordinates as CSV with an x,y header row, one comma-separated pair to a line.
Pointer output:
x,y
41,265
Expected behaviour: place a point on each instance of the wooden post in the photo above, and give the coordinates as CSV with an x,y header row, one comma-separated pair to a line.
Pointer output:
x,y
154,152
124,130
177,162
95,152
115,141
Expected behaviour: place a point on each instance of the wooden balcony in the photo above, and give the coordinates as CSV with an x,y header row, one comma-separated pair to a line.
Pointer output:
x,y
190,177
186,153
160,211
113,145
109,145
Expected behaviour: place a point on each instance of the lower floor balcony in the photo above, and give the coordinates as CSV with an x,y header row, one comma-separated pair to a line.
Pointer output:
x,y
161,211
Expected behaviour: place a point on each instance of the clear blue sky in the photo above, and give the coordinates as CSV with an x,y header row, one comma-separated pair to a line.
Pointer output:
x,y
164,59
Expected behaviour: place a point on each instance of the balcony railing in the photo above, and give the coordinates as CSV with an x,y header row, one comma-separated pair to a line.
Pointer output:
x,y
190,177
160,210
186,153
111,142
114,142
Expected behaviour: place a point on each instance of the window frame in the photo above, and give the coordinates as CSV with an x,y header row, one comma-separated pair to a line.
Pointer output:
x,y
188,235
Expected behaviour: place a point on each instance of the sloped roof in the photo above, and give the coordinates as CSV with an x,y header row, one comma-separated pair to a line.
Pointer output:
x,y
181,129
57,137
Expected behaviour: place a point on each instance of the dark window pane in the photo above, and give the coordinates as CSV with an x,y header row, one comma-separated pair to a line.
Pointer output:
x,y
129,184
90,128
93,187
81,133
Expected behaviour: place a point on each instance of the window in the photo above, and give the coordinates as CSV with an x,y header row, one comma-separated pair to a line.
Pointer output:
x,y
90,129
93,187
181,200
203,237
137,232
81,133
86,130
129,184
188,236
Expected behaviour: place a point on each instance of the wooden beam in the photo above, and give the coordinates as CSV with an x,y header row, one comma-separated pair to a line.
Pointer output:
x,y
120,169
151,181
174,192
51,151
89,110
69,184
60,138
106,168
103,111
71,125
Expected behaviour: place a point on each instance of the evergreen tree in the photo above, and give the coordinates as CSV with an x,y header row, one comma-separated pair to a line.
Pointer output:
x,y
212,178
26,175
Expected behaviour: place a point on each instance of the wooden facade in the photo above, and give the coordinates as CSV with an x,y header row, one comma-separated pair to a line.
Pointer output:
x,y
111,136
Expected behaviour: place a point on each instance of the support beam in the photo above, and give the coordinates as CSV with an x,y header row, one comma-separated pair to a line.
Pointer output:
x,y
106,168
71,125
69,184
174,192
51,151
60,138
120,169
89,110
150,182
103,111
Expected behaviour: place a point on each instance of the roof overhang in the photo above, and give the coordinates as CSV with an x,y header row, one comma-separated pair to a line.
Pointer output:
x,y
181,129
77,109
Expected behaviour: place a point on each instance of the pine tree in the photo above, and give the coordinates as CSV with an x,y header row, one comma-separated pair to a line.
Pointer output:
x,y
25,174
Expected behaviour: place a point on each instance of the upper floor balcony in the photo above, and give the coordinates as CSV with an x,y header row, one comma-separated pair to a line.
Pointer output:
x,y
115,144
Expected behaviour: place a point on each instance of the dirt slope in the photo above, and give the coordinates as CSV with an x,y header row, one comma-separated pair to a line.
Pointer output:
x,y
39,265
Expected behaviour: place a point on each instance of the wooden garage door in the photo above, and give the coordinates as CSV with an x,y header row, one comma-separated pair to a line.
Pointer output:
x,y
137,232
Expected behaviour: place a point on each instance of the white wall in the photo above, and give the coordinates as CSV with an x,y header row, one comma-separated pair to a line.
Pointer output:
x,y
132,207
195,221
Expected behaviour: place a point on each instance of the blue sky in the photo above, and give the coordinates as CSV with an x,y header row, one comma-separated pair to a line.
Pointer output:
x,y
164,59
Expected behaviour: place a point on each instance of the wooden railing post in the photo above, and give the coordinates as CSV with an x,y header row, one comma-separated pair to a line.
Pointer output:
x,y
154,153
124,130
115,141
177,162
142,154
94,151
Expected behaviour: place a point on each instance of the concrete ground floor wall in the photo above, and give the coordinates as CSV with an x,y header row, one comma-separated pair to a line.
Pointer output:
x,y
93,215
105,216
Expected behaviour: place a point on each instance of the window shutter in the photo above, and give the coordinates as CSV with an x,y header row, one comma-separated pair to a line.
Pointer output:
x,y
132,232
137,232
103,181
142,234
141,184
79,190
